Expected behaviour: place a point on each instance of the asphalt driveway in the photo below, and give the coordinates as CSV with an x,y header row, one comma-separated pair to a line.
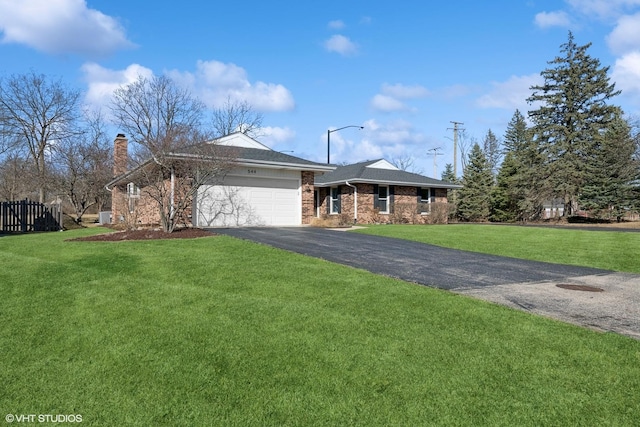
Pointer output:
x,y
527,285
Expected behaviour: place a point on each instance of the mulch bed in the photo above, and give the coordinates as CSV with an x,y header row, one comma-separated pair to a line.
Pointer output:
x,y
146,234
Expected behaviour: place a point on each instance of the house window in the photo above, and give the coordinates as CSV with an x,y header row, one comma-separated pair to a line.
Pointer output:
x,y
383,199
335,200
133,194
426,195
133,190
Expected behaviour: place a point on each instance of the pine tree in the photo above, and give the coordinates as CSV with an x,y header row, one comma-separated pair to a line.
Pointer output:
x,y
491,146
519,186
447,174
474,198
573,111
517,134
613,173
504,196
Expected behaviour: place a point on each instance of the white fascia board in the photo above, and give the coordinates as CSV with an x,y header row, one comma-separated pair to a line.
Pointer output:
x,y
266,164
280,165
404,183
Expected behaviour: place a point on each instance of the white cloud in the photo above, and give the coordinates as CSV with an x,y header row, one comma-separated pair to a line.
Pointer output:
x,y
395,133
626,74
61,27
404,92
387,104
341,44
552,19
336,25
510,94
215,82
625,37
603,9
102,82
390,98
376,140
273,136
454,92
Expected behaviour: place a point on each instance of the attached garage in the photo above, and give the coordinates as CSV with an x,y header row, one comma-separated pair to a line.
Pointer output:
x,y
252,196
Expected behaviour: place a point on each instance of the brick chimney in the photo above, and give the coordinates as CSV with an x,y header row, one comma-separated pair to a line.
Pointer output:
x,y
120,155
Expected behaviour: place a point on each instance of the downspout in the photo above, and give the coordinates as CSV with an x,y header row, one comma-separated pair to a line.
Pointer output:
x,y
172,201
355,202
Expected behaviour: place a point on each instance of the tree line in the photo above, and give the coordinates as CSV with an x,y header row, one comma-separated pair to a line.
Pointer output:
x,y
54,148
577,152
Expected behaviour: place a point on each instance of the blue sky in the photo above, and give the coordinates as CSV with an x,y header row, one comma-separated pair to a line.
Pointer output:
x,y
404,70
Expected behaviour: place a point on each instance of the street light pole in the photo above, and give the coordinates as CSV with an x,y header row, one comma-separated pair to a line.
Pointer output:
x,y
329,139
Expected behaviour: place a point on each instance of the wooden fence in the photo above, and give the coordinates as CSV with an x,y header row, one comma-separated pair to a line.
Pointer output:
x,y
25,215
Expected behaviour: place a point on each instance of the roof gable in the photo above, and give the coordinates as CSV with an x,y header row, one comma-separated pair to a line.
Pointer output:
x,y
239,139
382,164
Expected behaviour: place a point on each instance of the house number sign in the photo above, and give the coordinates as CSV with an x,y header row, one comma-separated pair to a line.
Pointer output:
x,y
252,171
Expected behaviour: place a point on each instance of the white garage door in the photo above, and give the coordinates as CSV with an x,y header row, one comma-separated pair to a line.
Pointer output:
x,y
247,200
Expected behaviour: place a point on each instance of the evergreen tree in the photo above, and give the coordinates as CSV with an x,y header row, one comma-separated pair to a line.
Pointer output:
x,y
492,149
573,112
613,173
519,188
474,198
504,196
447,174
517,134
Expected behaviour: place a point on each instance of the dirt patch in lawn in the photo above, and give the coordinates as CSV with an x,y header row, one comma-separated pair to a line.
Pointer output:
x,y
147,234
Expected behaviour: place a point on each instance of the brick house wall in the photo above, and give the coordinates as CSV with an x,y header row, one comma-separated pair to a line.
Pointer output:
x,y
138,210
308,202
142,210
403,210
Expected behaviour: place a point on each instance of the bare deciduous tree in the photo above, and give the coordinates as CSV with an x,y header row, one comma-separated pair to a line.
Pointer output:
x,y
236,117
172,158
406,163
15,175
84,166
37,113
465,143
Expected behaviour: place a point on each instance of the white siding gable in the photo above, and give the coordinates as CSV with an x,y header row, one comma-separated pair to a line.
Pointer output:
x,y
241,140
383,164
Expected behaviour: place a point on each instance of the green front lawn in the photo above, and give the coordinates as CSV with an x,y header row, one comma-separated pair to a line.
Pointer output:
x,y
611,250
220,331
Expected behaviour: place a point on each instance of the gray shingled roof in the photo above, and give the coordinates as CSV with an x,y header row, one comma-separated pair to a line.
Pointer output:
x,y
241,156
256,155
270,156
360,172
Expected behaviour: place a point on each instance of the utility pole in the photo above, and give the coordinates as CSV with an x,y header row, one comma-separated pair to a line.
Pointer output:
x,y
455,146
435,166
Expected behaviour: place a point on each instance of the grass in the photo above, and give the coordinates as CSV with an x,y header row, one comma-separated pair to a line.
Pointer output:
x,y
611,250
220,331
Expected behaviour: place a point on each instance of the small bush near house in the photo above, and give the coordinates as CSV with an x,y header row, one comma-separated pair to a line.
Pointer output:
x,y
333,221
440,213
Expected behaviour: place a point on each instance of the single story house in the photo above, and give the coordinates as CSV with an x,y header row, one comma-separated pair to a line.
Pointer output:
x,y
263,187
378,192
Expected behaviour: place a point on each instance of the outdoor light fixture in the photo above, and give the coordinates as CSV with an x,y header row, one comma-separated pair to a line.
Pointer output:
x,y
329,139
